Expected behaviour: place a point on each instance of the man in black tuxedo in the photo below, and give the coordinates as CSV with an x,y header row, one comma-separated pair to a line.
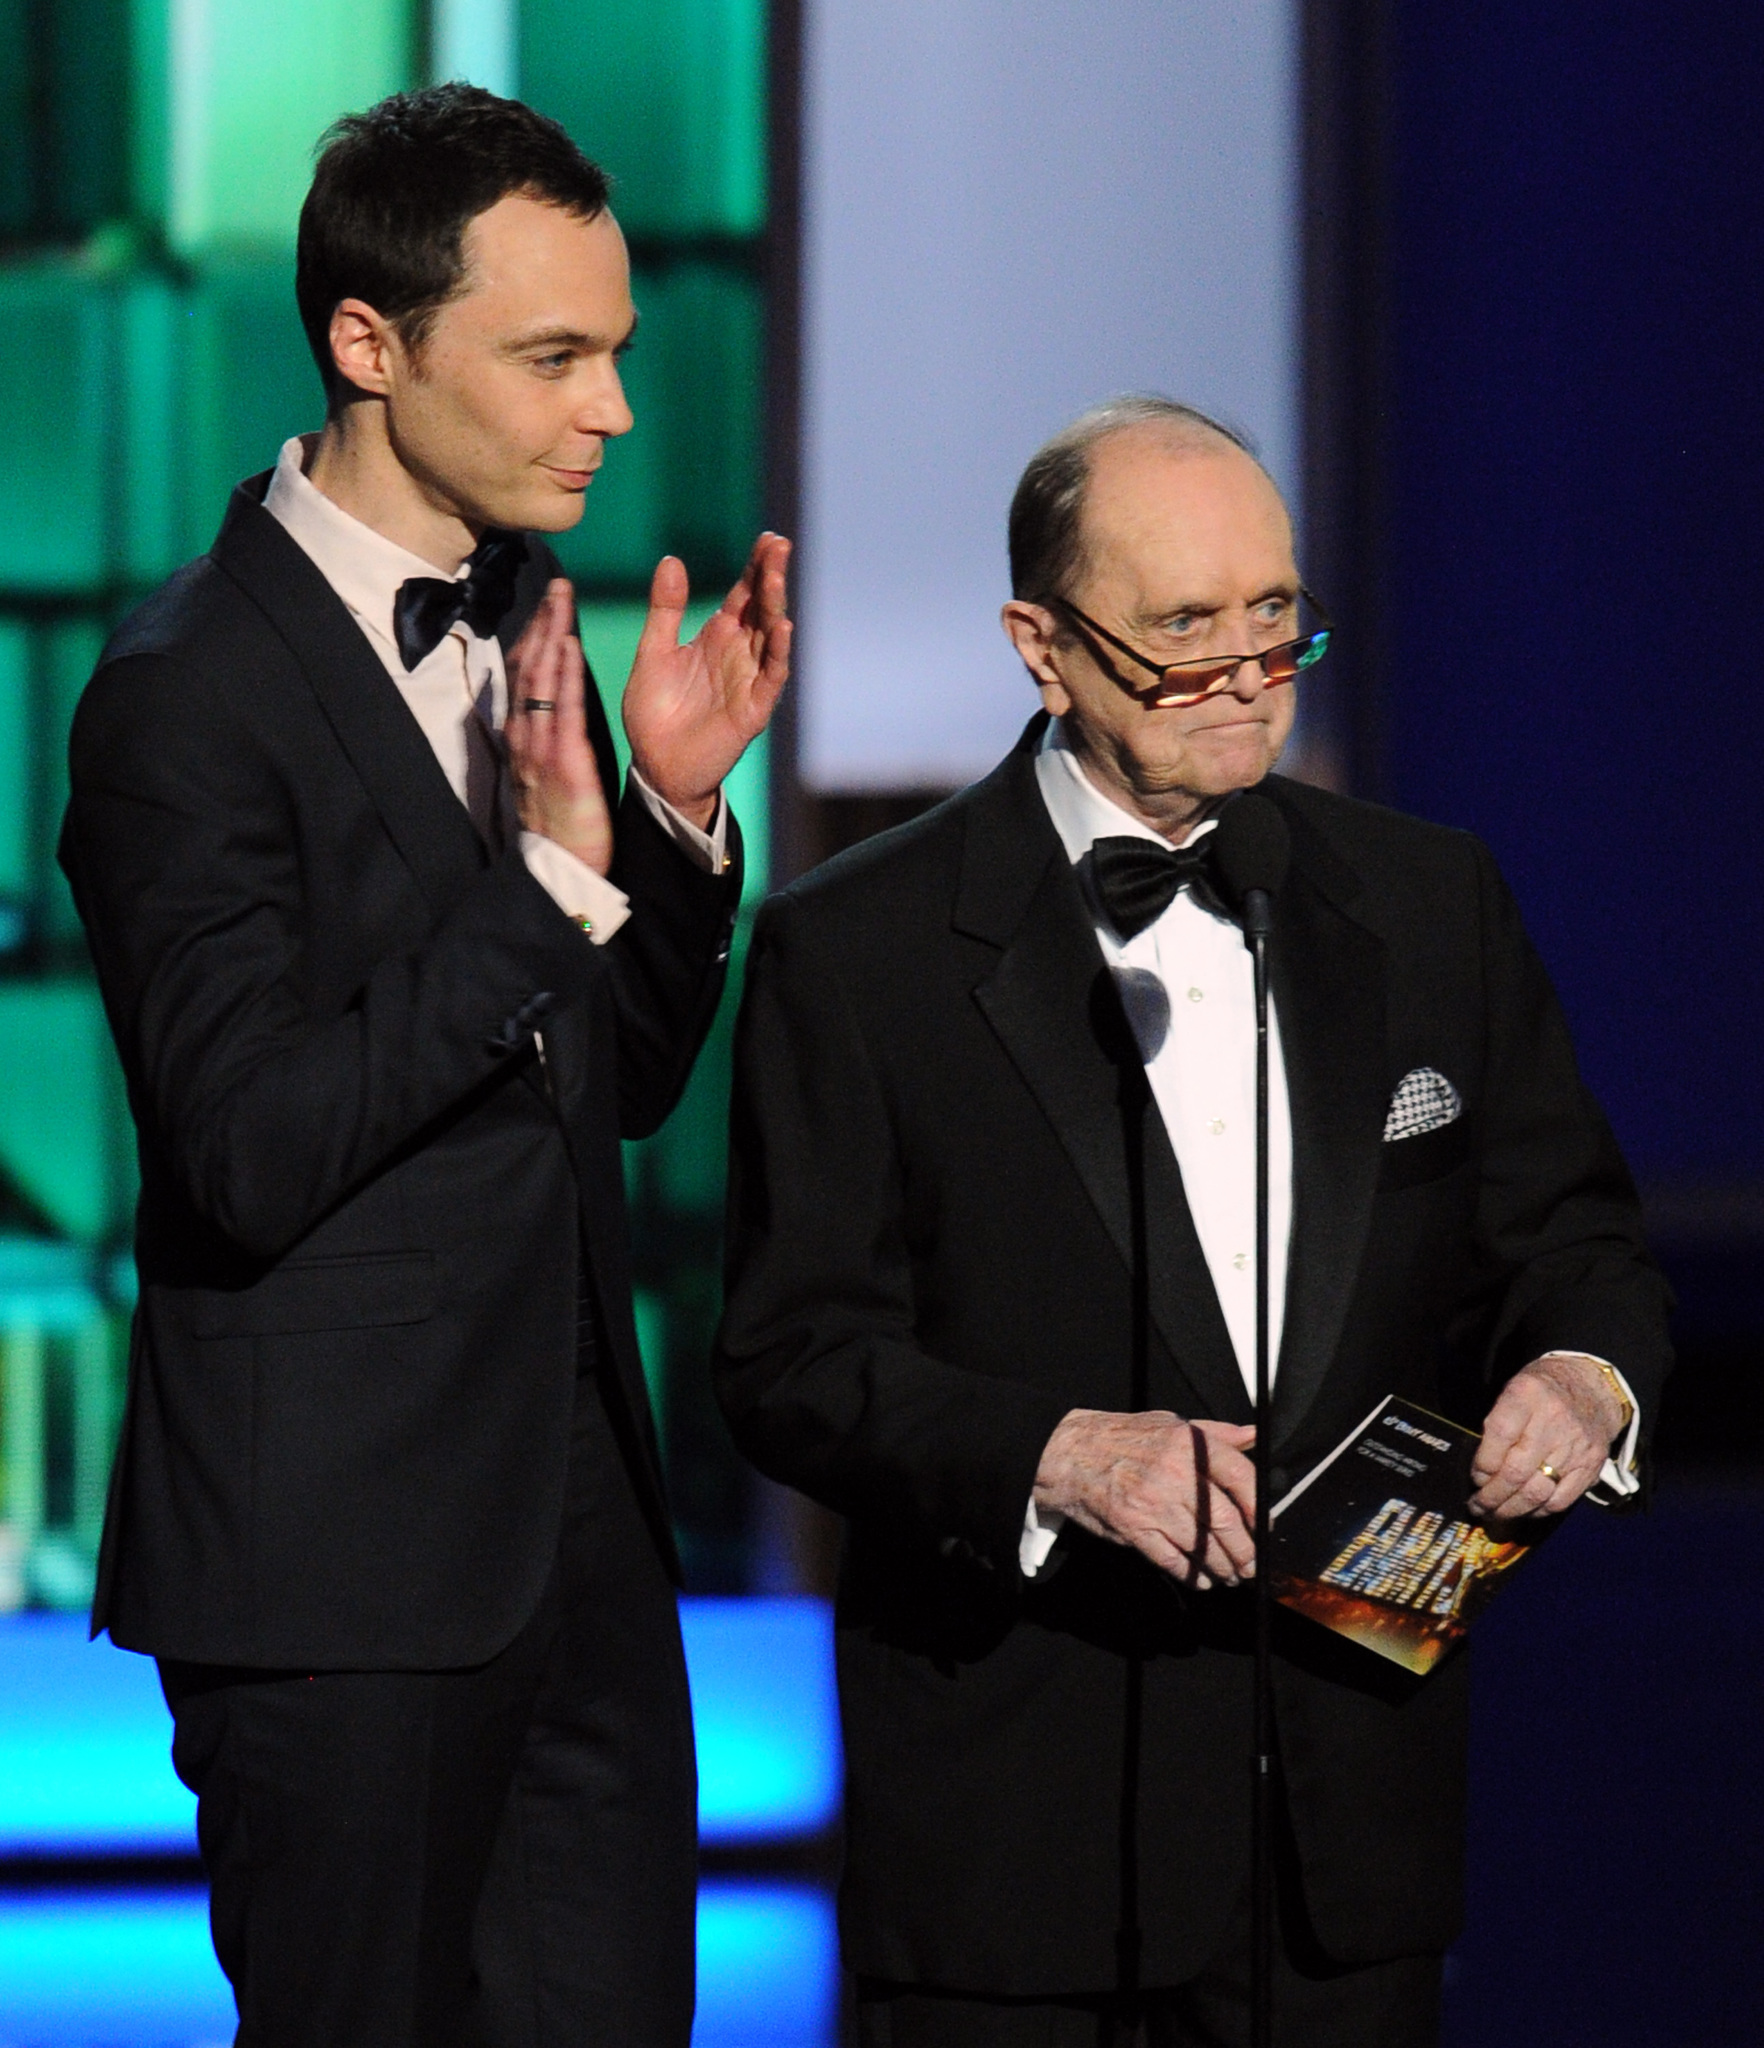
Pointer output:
x,y
992,1276
391,978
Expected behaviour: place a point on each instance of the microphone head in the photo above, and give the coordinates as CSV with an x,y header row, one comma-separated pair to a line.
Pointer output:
x,y
1251,847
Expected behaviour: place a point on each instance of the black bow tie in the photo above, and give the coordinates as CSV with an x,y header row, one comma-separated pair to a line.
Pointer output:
x,y
1138,880
426,607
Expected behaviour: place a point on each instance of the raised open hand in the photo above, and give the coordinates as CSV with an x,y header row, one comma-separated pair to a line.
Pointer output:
x,y
691,711
550,762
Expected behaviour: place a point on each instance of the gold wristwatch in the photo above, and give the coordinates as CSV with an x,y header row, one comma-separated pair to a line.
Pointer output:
x,y
1610,1372
1623,1400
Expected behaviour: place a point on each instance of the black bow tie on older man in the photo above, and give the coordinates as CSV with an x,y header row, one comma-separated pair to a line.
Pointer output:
x,y
428,607
1138,880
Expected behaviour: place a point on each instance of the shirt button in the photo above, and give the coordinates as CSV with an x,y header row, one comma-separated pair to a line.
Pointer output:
x,y
1240,1260
1217,1127
1194,995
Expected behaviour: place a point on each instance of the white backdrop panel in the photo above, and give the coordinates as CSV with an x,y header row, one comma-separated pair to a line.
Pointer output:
x,y
1013,208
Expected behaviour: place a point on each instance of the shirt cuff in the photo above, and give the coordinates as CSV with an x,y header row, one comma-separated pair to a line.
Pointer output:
x,y
585,897
1040,1533
709,849
1619,1478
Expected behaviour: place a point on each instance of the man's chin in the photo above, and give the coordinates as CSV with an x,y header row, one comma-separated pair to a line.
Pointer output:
x,y
1218,771
558,512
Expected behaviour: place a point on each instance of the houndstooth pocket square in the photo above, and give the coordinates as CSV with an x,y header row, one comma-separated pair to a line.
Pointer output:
x,y
1424,1101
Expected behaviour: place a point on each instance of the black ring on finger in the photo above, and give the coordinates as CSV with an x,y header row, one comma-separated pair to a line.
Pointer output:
x,y
538,704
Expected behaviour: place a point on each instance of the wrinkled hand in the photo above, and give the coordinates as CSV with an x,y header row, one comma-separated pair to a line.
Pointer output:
x,y
1130,1479
1558,1411
691,711
551,766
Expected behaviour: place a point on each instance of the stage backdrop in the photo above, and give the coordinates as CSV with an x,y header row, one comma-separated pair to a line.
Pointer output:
x,y
1012,208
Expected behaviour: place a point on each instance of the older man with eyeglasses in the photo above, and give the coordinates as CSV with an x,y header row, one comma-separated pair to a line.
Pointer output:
x,y
994,1298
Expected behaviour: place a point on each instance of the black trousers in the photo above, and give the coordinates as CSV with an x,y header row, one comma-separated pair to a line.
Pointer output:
x,y
1317,2003
504,1857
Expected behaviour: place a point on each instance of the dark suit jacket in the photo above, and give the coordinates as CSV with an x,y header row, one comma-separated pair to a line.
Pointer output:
x,y
955,1216
363,1199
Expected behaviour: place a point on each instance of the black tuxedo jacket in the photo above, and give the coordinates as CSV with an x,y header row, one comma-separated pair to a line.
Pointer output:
x,y
363,1197
956,1215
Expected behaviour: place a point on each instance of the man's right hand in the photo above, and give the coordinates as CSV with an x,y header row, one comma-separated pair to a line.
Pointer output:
x,y
1130,1479
550,763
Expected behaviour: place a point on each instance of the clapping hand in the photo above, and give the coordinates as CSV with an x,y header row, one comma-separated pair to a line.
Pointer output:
x,y
551,765
690,711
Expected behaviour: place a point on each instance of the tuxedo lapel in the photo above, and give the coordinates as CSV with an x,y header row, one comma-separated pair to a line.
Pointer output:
x,y
1327,974
374,726
1052,1004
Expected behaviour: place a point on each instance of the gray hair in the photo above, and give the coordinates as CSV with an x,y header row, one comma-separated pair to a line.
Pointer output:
x,y
1047,508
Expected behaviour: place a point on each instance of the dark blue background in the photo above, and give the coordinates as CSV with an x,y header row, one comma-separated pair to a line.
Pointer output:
x,y
1576,337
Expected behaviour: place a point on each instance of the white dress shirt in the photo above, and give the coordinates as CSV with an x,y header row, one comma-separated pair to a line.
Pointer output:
x,y
1187,983
458,695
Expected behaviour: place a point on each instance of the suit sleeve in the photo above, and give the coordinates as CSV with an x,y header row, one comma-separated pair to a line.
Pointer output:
x,y
818,1369
668,961
183,845
1558,1218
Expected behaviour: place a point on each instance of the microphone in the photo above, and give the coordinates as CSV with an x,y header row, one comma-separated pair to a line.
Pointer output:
x,y
1251,848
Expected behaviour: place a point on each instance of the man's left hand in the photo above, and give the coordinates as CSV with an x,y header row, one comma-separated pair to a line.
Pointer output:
x,y
691,711
1546,1439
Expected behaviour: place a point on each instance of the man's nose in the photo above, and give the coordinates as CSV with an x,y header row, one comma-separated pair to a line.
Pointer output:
x,y
604,409
1248,679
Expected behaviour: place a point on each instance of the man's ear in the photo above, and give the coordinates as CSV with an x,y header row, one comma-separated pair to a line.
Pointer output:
x,y
363,346
1033,631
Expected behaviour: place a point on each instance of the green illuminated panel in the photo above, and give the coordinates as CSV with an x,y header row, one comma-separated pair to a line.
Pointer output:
x,y
251,383
62,1123
669,95
55,326
708,332
619,537
70,650
15,759
244,88
148,472
686,479
651,1314
83,47
17,170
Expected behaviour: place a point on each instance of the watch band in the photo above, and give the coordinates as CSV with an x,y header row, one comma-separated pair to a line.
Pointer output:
x,y
1616,1385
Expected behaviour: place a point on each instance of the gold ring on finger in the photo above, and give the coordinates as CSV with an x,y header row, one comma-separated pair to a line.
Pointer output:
x,y
1549,1472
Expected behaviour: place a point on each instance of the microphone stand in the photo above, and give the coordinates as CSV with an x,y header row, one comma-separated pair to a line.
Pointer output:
x,y
1257,922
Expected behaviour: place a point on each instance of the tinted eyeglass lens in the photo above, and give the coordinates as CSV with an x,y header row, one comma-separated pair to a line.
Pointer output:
x,y
1188,682
1281,664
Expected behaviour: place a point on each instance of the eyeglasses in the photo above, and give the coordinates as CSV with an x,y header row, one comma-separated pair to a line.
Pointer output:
x,y
1190,682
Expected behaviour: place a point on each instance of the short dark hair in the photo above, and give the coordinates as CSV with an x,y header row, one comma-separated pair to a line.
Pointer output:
x,y
1047,507
395,189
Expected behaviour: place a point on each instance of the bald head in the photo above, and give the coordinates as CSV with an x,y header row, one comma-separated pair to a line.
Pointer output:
x,y
1181,560
1050,508
1186,502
